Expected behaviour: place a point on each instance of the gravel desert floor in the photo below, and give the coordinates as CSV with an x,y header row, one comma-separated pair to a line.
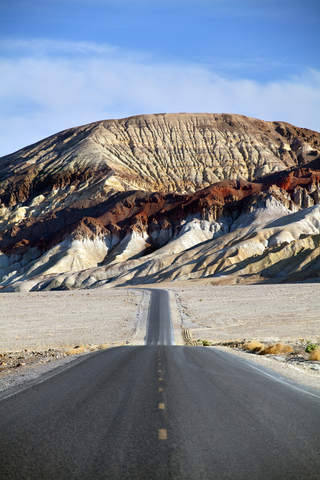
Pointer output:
x,y
64,319
40,331
284,312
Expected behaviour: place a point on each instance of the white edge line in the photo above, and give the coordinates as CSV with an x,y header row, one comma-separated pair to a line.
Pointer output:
x,y
44,379
247,362
148,317
169,304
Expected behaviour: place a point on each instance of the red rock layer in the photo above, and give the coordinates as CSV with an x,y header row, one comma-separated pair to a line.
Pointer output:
x,y
145,210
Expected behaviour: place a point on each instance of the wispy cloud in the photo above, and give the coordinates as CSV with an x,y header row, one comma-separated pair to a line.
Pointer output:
x,y
46,46
42,94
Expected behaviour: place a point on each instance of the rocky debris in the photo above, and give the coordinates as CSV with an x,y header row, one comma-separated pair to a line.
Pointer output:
x,y
28,357
20,367
13,360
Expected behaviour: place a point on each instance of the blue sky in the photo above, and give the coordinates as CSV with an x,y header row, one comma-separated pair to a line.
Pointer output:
x,y
69,62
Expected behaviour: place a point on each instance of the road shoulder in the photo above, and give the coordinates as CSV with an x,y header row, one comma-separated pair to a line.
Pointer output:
x,y
307,378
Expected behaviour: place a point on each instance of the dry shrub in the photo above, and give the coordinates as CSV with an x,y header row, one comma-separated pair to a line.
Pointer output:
x,y
287,349
254,346
74,351
315,355
276,349
103,346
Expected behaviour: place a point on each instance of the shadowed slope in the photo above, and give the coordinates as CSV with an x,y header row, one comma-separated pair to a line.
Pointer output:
x,y
111,194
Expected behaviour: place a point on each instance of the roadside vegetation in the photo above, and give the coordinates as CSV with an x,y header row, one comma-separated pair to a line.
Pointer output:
x,y
315,355
296,352
291,352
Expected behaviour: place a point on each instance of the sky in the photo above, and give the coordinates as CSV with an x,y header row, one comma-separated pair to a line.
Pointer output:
x,y
65,63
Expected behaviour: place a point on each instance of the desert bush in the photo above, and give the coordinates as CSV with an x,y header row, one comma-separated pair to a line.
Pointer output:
x,y
315,354
103,346
287,349
310,347
254,346
275,349
206,343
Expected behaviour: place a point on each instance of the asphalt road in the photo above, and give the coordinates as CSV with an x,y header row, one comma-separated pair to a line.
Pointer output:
x,y
161,412
159,330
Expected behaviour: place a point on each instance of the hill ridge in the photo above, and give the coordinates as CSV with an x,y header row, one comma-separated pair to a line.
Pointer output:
x,y
115,191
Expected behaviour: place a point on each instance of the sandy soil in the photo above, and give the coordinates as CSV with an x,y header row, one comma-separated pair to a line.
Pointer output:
x,y
62,319
263,312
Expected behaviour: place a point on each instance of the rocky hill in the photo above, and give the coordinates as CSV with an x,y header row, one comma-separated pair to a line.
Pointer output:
x,y
161,197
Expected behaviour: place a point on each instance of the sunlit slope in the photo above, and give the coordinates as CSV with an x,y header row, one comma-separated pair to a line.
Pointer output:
x,y
133,200
178,153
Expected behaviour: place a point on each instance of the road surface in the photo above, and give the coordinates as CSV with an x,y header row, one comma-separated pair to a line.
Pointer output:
x,y
161,412
159,329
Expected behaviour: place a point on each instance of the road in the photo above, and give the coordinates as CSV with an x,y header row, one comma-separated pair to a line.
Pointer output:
x,y
159,331
161,412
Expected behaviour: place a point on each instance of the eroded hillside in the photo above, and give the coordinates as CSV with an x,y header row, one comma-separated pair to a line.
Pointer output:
x,y
160,197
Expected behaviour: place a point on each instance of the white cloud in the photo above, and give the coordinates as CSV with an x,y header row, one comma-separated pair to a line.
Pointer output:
x,y
43,46
42,95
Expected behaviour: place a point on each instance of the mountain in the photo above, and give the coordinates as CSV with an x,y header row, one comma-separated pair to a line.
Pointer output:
x,y
159,198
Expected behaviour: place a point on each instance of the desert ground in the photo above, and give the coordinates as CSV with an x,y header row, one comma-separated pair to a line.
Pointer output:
x,y
63,319
270,313
39,331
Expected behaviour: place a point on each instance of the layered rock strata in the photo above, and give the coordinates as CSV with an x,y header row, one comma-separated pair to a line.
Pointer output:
x,y
114,196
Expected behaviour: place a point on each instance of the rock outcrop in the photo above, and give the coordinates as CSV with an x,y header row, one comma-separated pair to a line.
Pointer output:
x,y
128,200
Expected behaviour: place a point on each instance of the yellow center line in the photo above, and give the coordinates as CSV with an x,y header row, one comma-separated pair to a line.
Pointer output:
x,y
160,379
162,434
160,389
161,406
159,371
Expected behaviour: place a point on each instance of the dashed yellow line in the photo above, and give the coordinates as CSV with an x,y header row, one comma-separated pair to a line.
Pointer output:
x,y
162,434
